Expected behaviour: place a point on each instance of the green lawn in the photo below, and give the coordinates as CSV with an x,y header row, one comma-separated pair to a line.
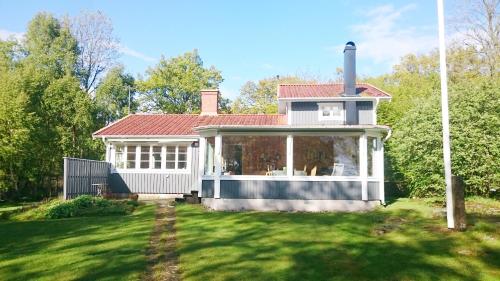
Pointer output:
x,y
405,241
88,248
7,207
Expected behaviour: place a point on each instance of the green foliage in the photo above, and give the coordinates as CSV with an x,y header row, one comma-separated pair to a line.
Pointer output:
x,y
112,95
16,121
414,153
261,97
44,114
173,85
84,205
87,205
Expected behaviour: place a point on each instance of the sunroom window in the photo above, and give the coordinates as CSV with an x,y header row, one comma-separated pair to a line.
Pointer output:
x,y
326,156
254,155
209,156
144,156
371,147
131,157
120,156
156,157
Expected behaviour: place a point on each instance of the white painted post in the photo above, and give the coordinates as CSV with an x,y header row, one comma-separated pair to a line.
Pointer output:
x,y
218,165
380,169
201,164
107,157
289,155
163,157
363,161
445,118
137,156
65,179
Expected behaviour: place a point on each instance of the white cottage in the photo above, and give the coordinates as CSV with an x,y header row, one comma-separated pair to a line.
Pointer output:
x,y
324,150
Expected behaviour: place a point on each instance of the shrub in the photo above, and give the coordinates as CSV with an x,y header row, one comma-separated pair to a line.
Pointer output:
x,y
86,205
416,147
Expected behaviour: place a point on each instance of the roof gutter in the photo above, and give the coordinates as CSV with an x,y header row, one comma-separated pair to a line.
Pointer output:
x,y
342,98
291,128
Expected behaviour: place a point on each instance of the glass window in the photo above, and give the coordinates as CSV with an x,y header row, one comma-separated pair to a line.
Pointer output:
x,y
254,155
371,147
156,157
332,111
182,157
325,156
119,156
144,157
170,157
152,157
209,156
131,157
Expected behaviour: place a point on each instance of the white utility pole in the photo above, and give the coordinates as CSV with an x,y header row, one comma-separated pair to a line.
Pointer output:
x,y
445,118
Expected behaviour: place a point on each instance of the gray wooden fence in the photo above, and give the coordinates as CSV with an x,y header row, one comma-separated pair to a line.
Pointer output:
x,y
83,176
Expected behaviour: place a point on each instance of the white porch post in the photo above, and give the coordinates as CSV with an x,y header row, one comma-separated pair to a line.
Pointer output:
x,y
137,156
363,161
289,155
112,154
218,165
380,169
201,163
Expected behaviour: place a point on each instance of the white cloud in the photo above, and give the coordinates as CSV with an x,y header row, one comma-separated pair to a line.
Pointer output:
x,y
133,53
383,38
7,34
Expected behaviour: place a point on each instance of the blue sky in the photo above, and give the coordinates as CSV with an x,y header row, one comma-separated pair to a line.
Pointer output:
x,y
252,40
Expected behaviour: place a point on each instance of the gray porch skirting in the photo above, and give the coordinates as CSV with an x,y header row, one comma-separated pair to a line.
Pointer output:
x,y
275,195
290,190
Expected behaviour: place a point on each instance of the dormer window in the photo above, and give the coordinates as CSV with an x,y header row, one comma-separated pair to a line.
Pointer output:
x,y
331,111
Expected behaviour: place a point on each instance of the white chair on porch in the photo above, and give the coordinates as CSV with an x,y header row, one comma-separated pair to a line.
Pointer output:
x,y
338,169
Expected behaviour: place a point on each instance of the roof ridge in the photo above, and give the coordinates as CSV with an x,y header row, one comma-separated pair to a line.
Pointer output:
x,y
160,113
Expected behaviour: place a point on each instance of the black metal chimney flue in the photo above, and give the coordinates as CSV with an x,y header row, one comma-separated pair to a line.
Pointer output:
x,y
350,69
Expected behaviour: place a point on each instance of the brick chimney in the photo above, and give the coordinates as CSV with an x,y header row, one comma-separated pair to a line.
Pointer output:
x,y
209,101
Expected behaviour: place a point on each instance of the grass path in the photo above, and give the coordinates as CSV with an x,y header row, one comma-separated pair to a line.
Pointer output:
x,y
161,253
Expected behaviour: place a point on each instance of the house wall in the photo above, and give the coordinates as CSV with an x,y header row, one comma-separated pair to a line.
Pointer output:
x,y
289,190
356,112
157,182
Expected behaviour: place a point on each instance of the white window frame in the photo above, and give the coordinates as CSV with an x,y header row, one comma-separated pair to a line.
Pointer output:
x,y
151,168
323,107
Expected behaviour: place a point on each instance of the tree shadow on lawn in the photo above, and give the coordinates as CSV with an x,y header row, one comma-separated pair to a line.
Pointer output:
x,y
328,246
90,248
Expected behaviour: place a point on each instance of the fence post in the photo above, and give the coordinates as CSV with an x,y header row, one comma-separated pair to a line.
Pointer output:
x,y
90,178
457,195
65,178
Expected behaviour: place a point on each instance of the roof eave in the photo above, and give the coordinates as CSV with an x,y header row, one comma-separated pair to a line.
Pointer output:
x,y
333,98
292,128
146,136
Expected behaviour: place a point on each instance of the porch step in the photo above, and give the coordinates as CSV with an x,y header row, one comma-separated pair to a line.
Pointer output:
x,y
191,198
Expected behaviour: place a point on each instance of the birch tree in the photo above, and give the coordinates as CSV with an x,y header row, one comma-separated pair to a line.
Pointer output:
x,y
98,47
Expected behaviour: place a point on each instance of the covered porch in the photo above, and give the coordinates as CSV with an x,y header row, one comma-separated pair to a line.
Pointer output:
x,y
315,168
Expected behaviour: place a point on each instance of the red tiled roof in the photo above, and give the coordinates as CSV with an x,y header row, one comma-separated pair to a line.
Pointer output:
x,y
326,90
182,124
